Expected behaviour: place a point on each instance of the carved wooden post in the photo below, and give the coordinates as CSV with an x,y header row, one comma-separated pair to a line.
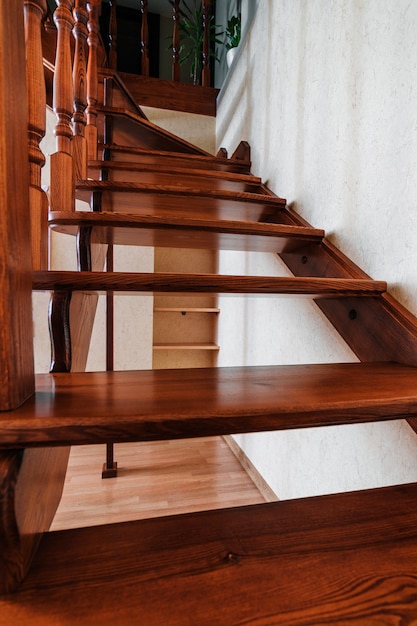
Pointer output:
x,y
176,68
113,35
62,168
16,339
80,89
35,11
144,38
205,77
93,7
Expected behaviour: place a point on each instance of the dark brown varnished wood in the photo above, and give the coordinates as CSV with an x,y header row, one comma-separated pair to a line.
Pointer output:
x,y
175,175
184,232
204,283
338,559
145,198
172,95
381,329
122,153
102,407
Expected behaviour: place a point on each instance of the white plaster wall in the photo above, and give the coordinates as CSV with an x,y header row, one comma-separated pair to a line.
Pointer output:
x,y
328,104
200,130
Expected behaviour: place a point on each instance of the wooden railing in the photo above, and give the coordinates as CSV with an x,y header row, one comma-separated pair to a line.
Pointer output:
x,y
144,48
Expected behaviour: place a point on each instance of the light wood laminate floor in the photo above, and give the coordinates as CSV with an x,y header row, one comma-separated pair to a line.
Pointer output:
x,y
154,479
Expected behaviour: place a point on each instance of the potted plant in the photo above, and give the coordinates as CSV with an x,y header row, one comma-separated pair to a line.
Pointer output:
x,y
233,34
192,37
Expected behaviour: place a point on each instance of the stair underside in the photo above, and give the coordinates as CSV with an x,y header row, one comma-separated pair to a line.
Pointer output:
x,y
204,283
144,133
211,234
339,559
99,407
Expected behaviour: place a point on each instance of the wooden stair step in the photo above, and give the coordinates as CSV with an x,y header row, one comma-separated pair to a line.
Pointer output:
x,y
122,153
204,283
127,197
174,175
147,405
186,232
336,559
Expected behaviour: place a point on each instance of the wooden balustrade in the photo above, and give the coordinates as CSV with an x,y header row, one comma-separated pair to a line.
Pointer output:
x,y
93,7
144,42
176,69
80,88
205,72
113,35
62,170
35,12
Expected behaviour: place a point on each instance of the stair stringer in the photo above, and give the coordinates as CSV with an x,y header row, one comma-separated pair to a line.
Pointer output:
x,y
378,329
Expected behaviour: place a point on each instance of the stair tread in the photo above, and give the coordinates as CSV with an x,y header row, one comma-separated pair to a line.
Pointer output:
x,y
161,157
131,197
334,559
204,283
209,233
186,170
123,186
99,407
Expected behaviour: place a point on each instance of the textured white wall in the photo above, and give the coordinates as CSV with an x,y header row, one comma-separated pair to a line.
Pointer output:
x,y
328,104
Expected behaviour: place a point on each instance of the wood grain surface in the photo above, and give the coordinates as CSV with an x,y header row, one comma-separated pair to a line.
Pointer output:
x,y
100,407
186,232
204,283
339,559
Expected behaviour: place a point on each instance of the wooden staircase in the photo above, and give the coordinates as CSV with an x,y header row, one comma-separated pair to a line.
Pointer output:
x,y
345,558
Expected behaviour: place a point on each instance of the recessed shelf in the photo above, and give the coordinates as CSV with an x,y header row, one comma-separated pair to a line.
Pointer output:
x,y
185,346
161,309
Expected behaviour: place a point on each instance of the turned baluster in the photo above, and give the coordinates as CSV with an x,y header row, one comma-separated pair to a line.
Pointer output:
x,y
62,168
113,35
144,38
93,7
80,88
205,76
35,12
176,68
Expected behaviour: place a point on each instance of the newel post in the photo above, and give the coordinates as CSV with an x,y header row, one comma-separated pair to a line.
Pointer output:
x,y
34,13
62,193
